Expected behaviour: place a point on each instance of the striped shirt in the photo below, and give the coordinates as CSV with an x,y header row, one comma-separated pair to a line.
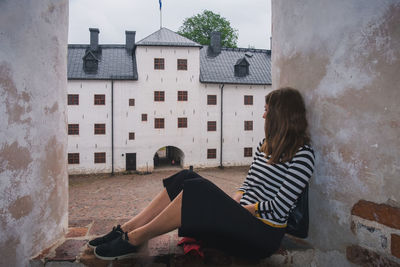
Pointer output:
x,y
275,188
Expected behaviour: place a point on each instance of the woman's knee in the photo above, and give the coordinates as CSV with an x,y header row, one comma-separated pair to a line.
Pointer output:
x,y
187,174
201,184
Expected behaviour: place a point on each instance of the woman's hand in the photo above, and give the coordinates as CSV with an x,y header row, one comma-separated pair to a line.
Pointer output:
x,y
238,196
251,208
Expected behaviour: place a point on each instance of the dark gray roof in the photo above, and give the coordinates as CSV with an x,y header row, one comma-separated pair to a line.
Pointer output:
x,y
220,69
166,37
115,62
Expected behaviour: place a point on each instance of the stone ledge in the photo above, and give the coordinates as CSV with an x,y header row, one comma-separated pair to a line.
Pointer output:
x,y
160,251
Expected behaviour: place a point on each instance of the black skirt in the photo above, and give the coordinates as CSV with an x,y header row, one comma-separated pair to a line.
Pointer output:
x,y
210,215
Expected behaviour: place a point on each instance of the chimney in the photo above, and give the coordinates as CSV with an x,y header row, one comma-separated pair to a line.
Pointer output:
x,y
215,43
94,39
130,40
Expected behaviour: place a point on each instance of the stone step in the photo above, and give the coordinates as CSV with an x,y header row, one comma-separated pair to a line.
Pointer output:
x,y
163,251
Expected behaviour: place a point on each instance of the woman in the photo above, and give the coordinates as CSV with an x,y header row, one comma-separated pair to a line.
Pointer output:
x,y
252,224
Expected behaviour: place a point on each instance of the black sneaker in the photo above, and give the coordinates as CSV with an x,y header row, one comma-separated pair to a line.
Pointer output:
x,y
117,249
115,232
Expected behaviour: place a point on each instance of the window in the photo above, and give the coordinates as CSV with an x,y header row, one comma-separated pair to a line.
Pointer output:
x,y
99,128
248,151
159,95
248,125
158,63
100,157
159,123
131,101
211,99
182,95
242,67
131,136
248,100
182,122
73,129
73,99
99,99
144,117
211,126
73,158
211,153
182,64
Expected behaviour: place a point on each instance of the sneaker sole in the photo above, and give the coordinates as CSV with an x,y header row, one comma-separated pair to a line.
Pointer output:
x,y
126,256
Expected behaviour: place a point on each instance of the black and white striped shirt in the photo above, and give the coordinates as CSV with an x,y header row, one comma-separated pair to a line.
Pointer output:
x,y
276,187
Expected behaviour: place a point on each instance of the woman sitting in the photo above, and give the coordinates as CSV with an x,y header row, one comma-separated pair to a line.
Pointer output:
x,y
252,223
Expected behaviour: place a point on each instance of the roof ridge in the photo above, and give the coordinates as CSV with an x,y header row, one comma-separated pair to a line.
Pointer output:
x,y
102,45
166,37
241,49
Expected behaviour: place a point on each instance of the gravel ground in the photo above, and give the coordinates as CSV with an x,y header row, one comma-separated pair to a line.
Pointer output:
x,y
104,197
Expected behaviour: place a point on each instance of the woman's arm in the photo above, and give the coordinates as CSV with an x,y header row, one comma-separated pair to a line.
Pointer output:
x,y
300,170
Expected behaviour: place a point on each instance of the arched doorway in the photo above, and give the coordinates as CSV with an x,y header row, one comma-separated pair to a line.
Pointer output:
x,y
168,157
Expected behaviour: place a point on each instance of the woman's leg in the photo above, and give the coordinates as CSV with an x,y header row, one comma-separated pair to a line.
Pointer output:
x,y
168,220
173,186
157,205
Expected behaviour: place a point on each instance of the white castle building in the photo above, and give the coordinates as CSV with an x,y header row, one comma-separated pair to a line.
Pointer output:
x,y
202,104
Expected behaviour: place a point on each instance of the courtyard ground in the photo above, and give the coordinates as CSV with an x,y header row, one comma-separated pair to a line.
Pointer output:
x,y
119,197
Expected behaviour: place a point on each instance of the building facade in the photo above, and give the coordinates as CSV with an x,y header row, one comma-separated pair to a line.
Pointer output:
x,y
204,104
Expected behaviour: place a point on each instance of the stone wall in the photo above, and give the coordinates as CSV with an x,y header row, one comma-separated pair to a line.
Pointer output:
x,y
33,140
344,56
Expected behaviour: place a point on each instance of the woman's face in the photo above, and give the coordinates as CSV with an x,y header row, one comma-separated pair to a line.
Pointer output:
x,y
265,111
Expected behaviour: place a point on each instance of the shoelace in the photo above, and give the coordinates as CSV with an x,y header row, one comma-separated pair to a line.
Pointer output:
x,y
125,236
115,229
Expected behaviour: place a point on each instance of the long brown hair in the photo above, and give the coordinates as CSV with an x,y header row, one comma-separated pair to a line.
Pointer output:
x,y
285,125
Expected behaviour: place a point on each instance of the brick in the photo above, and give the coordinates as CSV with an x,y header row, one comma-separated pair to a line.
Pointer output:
x,y
43,254
367,258
395,247
174,248
90,260
381,213
69,250
159,245
76,232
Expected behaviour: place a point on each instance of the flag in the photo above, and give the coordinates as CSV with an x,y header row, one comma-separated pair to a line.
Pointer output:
x,y
159,1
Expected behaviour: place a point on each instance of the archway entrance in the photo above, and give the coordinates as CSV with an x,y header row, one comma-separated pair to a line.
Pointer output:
x,y
168,157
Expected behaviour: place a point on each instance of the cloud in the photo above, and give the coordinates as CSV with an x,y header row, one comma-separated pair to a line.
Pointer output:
x,y
251,18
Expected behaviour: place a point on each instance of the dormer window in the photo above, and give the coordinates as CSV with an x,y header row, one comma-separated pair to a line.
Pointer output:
x,y
90,62
242,67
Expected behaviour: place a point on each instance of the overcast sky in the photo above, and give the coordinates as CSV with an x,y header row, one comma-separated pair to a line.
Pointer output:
x,y
252,18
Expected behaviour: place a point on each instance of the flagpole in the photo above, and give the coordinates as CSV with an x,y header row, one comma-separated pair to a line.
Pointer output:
x,y
159,1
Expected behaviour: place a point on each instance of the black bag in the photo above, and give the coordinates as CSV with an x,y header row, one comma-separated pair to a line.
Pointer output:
x,y
297,224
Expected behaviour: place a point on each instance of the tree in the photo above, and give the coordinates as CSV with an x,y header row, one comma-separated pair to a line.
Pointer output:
x,y
198,28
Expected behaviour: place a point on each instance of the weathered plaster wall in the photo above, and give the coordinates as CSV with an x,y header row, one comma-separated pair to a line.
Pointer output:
x,y
33,140
345,58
